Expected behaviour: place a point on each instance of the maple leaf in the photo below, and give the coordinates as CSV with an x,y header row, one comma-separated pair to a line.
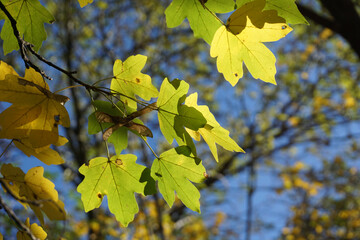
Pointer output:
x,y
286,9
174,170
173,116
241,41
118,178
30,17
44,154
32,186
36,111
212,132
200,14
35,229
128,80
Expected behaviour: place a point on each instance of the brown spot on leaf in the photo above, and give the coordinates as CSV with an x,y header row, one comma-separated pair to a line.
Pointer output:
x,y
118,161
283,27
99,195
137,80
236,75
206,175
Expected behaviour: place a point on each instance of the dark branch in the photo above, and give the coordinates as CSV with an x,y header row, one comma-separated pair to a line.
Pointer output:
x,y
344,18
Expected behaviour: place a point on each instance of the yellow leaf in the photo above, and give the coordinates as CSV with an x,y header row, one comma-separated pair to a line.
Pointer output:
x,y
36,111
83,3
47,155
349,100
36,230
5,69
32,186
241,41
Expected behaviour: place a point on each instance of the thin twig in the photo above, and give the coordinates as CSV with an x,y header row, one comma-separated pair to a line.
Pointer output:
x,y
13,216
6,148
102,129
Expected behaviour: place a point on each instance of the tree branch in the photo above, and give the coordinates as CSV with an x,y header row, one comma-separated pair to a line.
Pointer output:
x,y
23,45
13,216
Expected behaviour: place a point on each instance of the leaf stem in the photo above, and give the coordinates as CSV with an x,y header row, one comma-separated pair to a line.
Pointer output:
x,y
102,129
104,79
60,90
152,150
6,148
212,13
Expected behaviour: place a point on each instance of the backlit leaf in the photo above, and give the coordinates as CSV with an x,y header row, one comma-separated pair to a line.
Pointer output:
x,y
241,41
173,116
118,178
129,80
30,17
200,15
286,9
174,170
32,186
36,111
212,132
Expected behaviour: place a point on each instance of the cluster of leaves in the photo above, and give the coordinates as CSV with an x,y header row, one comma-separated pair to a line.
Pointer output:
x,y
32,121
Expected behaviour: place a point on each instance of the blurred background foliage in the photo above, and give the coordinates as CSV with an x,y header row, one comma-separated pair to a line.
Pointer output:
x,y
299,178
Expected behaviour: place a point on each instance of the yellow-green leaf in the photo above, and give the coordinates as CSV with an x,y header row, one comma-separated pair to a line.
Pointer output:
x,y
241,41
174,170
118,178
130,82
200,13
286,9
30,17
212,132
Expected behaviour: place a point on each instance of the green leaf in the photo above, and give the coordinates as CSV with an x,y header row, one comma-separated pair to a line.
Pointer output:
x,y
119,139
30,17
241,41
286,9
173,116
171,95
174,170
129,80
118,178
202,21
212,132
